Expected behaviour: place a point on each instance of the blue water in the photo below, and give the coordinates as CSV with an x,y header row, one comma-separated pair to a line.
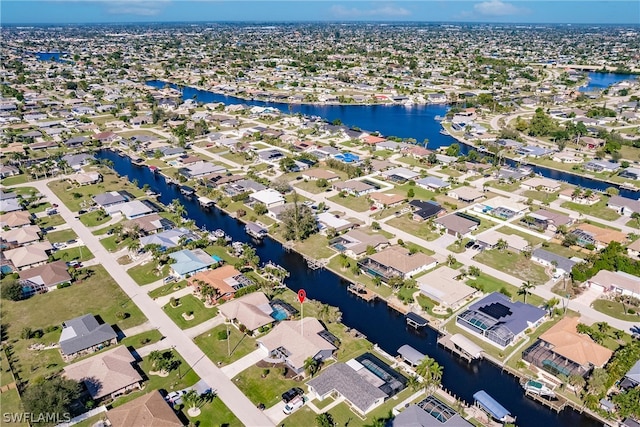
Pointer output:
x,y
5,269
279,314
380,324
416,122
599,81
51,56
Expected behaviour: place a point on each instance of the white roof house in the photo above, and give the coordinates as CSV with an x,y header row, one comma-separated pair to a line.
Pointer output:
x,y
269,197
441,286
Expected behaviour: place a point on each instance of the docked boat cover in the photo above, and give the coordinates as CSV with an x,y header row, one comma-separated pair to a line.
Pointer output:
x,y
491,405
410,354
467,345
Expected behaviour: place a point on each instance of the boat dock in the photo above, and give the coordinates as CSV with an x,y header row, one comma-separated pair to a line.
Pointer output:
x,y
557,404
361,291
205,202
415,320
255,231
462,346
315,264
400,308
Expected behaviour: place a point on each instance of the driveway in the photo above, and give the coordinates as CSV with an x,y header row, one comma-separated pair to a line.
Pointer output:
x,y
246,362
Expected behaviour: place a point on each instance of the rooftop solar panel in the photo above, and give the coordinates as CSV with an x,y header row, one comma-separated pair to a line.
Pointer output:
x,y
496,310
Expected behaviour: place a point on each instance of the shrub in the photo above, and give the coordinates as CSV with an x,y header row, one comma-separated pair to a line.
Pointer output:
x,y
122,315
631,311
222,335
49,329
504,291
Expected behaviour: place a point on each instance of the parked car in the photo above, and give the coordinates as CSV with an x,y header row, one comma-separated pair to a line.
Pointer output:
x,y
291,394
74,264
59,245
294,405
175,397
469,244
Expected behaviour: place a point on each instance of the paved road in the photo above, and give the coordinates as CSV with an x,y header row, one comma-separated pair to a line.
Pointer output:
x,y
235,400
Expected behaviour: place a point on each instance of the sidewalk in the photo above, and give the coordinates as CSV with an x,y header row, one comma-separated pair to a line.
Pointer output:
x,y
146,326
204,326
246,362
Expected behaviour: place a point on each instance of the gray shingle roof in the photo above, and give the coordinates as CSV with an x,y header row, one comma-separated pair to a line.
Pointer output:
x,y
562,263
84,332
348,383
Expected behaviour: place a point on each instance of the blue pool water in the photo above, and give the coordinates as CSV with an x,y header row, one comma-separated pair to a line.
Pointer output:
x,y
279,314
348,157
5,269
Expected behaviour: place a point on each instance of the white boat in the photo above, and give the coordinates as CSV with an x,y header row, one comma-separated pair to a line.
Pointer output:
x,y
539,388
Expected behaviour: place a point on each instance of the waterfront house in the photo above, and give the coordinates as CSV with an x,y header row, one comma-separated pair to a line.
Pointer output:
x,y
328,221
148,224
396,261
77,161
106,137
466,194
87,178
563,351
432,183
190,261
569,158
294,341
149,410
243,186
582,198
601,166
632,377
512,174
355,243
354,187
269,197
458,224
168,239
84,335
630,173
624,205
616,282
251,310
560,264
44,278
225,280
541,184
592,143
425,210
384,200
106,375
546,220
498,320
429,412
200,169
442,286
533,151
130,210
109,199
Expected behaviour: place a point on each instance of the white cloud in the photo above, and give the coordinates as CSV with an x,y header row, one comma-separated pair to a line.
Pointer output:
x,y
498,8
387,11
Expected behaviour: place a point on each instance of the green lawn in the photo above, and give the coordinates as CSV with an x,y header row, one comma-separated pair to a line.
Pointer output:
x,y
39,207
419,192
358,204
61,236
215,414
99,295
11,403
167,289
614,309
190,303
144,274
37,364
334,265
490,284
564,251
504,186
533,240
315,246
112,244
599,210
415,228
217,350
79,253
50,221
73,196
514,264
94,218
266,390
542,196
142,339
106,229
458,248
310,186
15,180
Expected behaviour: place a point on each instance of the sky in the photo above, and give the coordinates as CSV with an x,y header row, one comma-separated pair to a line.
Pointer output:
x,y
498,11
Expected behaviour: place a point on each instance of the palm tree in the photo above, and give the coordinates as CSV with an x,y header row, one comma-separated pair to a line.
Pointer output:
x,y
577,381
193,401
451,260
525,289
413,382
134,246
431,373
311,366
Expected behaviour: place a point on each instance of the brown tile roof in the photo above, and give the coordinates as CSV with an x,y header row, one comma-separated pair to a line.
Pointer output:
x,y
604,235
216,278
320,174
387,199
48,274
15,219
149,410
399,258
577,347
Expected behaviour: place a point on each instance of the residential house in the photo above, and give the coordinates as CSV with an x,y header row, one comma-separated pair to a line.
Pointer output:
x,y
83,335
76,141
190,261
109,199
399,174
29,256
77,161
21,236
425,210
328,221
196,170
586,197
294,341
562,265
384,200
432,183
601,166
569,158
355,243
513,174
442,286
130,210
106,137
148,224
243,186
632,377
106,375
15,219
624,205
563,351
498,320
600,237
630,173
616,282
542,184
226,280
87,178
396,261
491,238
251,310
317,174
458,224
546,220
167,239
429,412
8,170
150,410
533,151
10,203
633,250
269,197
592,143
466,194
354,187
44,278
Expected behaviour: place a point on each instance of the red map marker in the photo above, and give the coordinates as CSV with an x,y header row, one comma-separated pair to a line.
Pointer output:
x,y
302,295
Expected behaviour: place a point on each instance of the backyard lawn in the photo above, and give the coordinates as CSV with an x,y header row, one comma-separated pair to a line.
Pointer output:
x,y
419,193
218,349
61,236
316,246
112,245
310,186
334,264
358,204
144,274
490,284
94,218
167,289
50,221
542,196
11,403
418,229
533,240
514,264
78,253
188,304
142,339
614,309
215,414
599,210
267,390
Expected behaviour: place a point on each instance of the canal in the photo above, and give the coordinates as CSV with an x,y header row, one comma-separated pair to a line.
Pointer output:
x,y
382,325
415,121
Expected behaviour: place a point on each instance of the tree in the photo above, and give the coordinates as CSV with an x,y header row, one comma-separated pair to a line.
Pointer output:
x,y
322,183
453,150
178,210
628,403
431,373
11,290
413,382
525,289
451,260
411,193
287,164
577,381
325,420
260,208
550,304
502,244
54,396
311,366
597,383
298,220
474,271
193,401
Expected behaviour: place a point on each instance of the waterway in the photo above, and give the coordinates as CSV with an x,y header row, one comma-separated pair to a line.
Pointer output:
x,y
51,56
382,325
416,121
600,81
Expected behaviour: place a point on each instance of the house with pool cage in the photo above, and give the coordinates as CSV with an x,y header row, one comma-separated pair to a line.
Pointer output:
x,y
499,321
396,261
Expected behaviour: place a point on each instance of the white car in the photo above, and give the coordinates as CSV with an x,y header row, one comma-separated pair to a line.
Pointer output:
x,y
175,397
294,405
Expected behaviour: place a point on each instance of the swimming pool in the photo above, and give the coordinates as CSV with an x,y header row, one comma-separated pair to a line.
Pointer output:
x,y
279,313
348,157
6,269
